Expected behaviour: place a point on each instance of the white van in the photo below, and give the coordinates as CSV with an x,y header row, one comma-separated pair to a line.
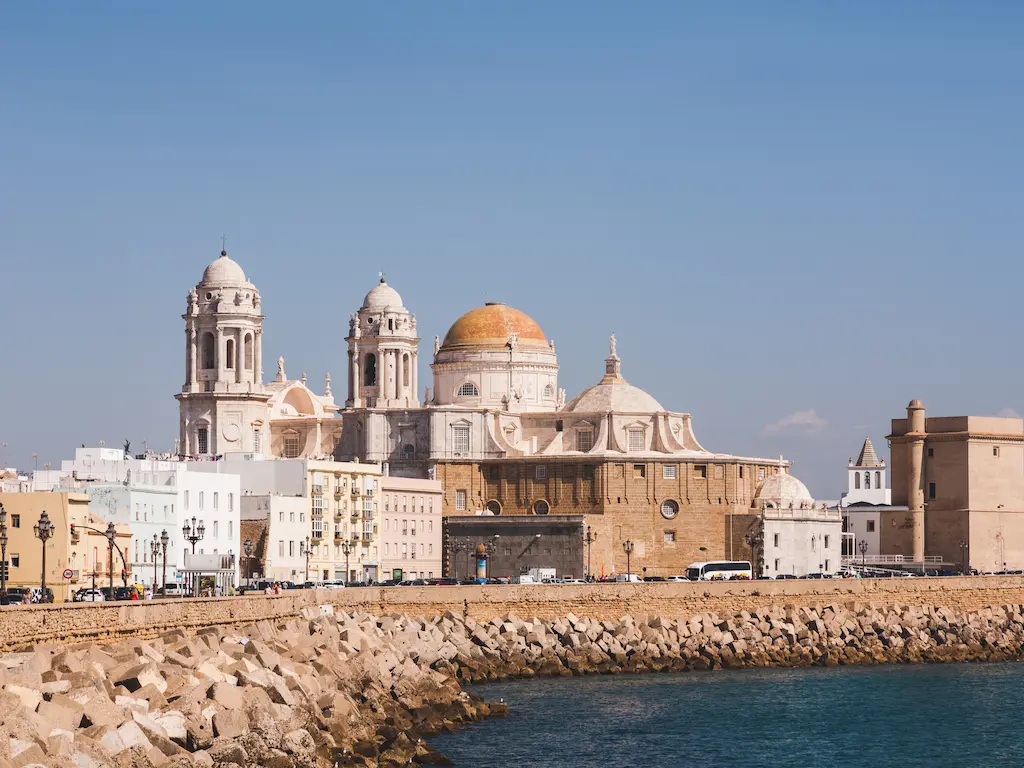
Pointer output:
x,y
631,578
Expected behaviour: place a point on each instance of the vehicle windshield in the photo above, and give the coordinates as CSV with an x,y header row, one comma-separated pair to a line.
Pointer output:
x,y
693,573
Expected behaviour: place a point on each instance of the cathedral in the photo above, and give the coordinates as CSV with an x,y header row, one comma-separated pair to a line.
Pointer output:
x,y
493,426
224,405
497,430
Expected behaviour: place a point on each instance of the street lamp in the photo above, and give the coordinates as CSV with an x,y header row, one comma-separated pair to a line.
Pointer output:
x,y
754,540
346,550
307,558
3,551
247,548
863,547
193,534
627,547
111,534
590,538
154,547
164,539
964,546
43,530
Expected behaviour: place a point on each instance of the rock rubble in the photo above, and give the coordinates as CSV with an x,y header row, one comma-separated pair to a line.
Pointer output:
x,y
333,690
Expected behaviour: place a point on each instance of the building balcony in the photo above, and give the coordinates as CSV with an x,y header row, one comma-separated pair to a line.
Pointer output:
x,y
339,517
316,535
338,536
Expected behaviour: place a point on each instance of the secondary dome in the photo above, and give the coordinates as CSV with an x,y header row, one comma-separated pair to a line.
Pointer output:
x,y
224,271
382,295
781,491
492,325
618,397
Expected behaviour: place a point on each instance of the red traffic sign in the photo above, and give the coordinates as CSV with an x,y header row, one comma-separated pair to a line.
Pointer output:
x,y
68,573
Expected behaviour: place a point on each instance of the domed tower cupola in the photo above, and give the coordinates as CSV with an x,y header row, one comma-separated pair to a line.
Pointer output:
x,y
223,361
382,352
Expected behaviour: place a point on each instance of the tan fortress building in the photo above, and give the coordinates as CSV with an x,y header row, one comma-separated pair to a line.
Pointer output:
x,y
962,480
499,434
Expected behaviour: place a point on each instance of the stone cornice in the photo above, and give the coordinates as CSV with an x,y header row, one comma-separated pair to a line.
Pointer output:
x,y
953,437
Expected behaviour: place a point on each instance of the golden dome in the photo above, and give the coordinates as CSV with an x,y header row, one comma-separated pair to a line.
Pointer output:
x,y
492,325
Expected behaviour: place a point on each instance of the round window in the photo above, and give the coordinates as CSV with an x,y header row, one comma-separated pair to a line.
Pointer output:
x,y
209,296
494,507
540,508
669,509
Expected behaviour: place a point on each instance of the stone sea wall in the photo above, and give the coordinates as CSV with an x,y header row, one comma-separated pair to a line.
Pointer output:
x,y
74,622
332,689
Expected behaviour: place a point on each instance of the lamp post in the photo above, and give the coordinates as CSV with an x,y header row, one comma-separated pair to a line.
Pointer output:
x,y
164,539
754,540
590,538
307,558
346,550
247,548
3,551
43,530
627,547
863,547
457,545
194,533
111,534
154,547
963,557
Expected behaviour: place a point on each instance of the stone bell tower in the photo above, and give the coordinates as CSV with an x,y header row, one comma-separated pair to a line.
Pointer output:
x,y
223,404
383,352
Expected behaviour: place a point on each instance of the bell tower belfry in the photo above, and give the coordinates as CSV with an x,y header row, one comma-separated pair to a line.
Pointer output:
x,y
223,403
383,352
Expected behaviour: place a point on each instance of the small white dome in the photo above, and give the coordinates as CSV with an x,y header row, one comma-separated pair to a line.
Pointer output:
x,y
782,490
617,396
224,271
382,295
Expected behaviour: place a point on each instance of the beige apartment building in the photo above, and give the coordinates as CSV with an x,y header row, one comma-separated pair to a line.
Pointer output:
x,y
82,553
343,521
962,481
410,539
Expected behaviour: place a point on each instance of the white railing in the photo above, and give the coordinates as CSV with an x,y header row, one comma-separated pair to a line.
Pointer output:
x,y
809,513
887,559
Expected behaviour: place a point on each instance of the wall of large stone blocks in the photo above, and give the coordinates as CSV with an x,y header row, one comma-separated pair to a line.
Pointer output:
x,y
622,501
82,622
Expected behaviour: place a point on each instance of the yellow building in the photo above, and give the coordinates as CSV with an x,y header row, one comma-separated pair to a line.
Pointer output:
x,y
343,519
80,553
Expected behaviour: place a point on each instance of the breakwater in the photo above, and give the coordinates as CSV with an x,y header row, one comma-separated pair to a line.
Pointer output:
x,y
87,622
331,688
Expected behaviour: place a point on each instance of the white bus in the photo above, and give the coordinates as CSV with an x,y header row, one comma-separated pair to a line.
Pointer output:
x,y
719,570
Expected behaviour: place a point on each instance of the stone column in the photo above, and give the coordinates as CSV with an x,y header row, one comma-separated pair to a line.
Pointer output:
x,y
350,400
915,482
239,358
257,363
191,338
414,390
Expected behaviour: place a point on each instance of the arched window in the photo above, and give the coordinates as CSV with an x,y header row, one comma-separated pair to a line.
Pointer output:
x,y
408,451
468,389
867,481
878,480
209,351
230,354
540,507
669,509
494,507
370,371
549,392
248,351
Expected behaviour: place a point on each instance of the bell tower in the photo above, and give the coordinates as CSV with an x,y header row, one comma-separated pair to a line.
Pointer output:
x,y
223,403
383,352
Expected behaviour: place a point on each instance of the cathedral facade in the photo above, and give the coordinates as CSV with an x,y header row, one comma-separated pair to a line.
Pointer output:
x,y
224,404
499,434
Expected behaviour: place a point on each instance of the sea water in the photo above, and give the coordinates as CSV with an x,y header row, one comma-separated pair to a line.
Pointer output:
x,y
921,715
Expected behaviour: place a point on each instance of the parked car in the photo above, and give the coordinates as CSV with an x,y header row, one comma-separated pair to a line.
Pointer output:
x,y
126,593
85,595
174,589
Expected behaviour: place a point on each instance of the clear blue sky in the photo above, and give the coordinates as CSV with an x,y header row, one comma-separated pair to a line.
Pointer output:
x,y
777,207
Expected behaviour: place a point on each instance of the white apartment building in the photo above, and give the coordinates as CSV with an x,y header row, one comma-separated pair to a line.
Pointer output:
x,y
286,532
151,495
410,537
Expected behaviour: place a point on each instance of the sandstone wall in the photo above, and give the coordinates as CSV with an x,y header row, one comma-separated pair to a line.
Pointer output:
x,y
79,622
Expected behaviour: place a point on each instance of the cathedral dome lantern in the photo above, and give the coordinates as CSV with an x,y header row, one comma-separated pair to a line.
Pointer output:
x,y
613,393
